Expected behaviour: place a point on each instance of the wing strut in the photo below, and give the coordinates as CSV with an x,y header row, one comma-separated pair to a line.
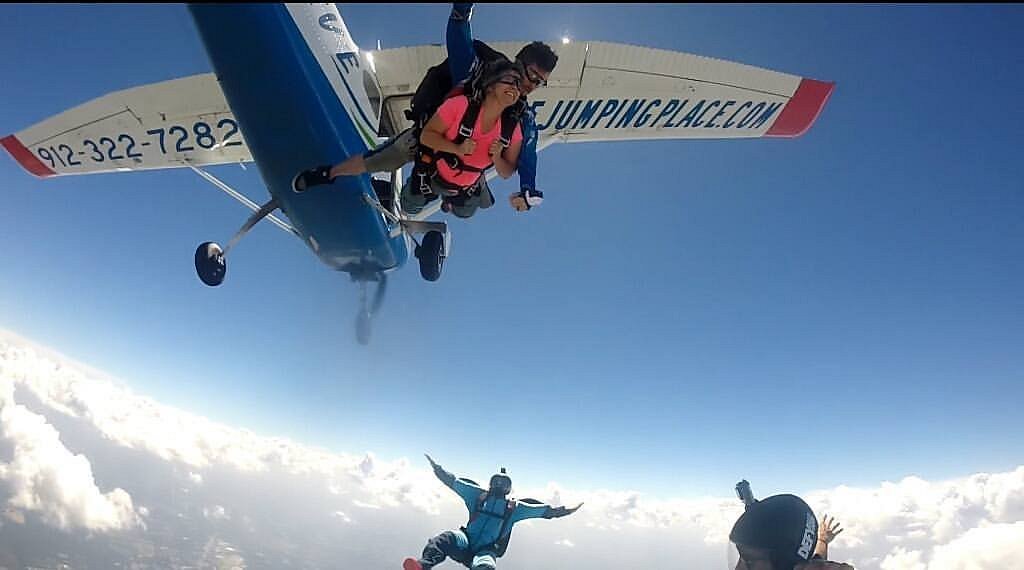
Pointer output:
x,y
241,198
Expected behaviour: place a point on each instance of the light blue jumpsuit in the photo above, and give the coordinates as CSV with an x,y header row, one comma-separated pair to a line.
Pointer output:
x,y
479,544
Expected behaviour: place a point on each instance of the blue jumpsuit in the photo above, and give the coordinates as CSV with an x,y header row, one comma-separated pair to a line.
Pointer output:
x,y
461,59
475,545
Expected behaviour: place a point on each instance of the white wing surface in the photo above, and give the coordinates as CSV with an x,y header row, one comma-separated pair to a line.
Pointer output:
x,y
604,91
161,125
599,92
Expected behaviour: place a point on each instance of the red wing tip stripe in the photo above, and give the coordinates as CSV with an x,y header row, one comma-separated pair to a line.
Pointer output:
x,y
803,108
25,158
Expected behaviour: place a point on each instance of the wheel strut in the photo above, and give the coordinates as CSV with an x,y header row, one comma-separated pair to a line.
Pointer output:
x,y
211,259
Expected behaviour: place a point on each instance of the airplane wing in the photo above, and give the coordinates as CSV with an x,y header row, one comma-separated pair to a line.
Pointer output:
x,y
161,125
599,92
604,91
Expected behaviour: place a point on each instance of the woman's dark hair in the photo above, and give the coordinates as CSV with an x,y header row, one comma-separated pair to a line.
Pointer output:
x,y
494,71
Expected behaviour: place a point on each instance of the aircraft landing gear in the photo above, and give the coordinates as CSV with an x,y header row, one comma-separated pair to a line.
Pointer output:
x,y
431,254
436,243
210,263
211,259
364,319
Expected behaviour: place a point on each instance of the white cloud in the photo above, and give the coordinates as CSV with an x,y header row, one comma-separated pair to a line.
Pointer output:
x,y
902,559
217,512
44,477
987,546
972,522
365,505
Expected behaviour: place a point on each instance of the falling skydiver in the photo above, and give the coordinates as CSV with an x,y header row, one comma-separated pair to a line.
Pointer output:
x,y
485,537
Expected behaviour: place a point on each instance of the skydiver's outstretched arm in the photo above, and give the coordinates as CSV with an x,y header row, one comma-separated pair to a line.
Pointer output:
x,y
445,477
468,492
559,512
459,38
538,510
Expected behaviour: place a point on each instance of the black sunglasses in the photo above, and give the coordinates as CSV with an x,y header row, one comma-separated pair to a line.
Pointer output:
x,y
509,80
536,79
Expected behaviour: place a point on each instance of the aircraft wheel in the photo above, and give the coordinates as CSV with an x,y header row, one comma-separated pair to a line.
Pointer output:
x,y
210,263
431,255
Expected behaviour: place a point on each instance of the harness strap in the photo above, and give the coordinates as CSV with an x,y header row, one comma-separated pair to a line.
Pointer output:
x,y
425,167
510,507
466,126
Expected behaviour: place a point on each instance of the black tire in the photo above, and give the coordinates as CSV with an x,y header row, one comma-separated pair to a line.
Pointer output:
x,y
431,255
211,266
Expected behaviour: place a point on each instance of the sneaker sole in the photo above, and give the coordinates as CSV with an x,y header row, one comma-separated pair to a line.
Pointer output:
x,y
295,182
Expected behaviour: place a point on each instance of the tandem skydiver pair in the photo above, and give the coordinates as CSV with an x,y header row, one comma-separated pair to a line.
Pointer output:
x,y
469,114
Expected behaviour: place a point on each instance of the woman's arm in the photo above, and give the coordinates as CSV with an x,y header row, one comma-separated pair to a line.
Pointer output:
x,y
505,162
433,136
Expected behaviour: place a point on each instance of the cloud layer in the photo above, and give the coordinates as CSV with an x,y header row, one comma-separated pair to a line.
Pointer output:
x,y
81,454
40,475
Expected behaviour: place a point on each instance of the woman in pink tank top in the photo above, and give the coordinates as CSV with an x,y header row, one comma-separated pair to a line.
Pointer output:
x,y
483,146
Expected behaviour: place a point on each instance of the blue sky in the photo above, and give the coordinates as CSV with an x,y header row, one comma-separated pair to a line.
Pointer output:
x,y
839,308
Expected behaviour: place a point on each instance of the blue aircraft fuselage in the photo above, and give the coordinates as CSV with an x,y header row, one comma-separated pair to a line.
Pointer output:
x,y
292,119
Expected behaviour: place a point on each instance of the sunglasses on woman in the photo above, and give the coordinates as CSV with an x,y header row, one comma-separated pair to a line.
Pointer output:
x,y
510,80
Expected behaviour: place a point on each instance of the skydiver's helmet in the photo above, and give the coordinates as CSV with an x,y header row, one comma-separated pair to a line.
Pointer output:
x,y
501,484
782,527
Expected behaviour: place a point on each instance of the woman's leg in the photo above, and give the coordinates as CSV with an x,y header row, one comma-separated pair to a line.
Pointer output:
x,y
352,166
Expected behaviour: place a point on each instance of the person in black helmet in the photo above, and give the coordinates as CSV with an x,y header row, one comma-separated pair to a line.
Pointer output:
x,y
485,537
778,533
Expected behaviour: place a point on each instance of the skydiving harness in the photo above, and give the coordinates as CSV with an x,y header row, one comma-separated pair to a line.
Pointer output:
x,y
432,92
424,169
501,544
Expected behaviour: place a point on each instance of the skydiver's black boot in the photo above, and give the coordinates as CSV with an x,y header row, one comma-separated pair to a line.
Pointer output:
x,y
314,177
